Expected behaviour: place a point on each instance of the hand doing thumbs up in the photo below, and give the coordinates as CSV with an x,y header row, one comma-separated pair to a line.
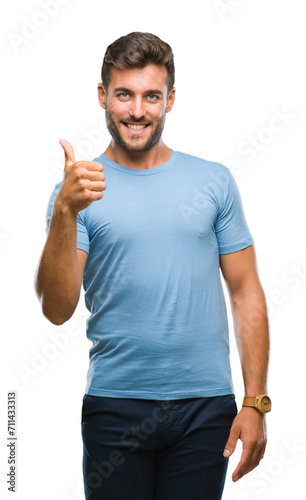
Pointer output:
x,y
83,182
69,152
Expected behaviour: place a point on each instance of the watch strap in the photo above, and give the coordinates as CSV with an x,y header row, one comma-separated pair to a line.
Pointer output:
x,y
249,401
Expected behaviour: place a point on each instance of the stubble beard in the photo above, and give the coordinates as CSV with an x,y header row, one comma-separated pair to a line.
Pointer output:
x,y
114,132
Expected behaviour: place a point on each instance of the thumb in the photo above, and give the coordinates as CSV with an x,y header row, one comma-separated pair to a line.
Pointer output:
x,y
231,443
69,152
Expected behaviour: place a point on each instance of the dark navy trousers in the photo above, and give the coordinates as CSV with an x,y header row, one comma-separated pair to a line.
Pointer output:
x,y
144,449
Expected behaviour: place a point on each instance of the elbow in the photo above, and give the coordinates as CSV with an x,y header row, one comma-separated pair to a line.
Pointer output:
x,y
55,320
55,315
56,309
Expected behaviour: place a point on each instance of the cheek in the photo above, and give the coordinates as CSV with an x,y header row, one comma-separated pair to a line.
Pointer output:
x,y
156,113
117,108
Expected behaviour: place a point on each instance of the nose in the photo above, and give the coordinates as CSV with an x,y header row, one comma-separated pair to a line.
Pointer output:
x,y
137,108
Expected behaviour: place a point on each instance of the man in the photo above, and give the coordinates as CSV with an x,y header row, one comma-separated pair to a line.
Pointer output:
x,y
159,416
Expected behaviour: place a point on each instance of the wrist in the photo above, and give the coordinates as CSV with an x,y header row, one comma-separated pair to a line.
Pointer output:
x,y
251,409
253,390
62,209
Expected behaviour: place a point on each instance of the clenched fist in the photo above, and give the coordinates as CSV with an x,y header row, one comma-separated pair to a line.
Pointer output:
x,y
83,182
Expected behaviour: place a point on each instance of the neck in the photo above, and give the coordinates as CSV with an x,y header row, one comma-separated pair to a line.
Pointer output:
x,y
141,160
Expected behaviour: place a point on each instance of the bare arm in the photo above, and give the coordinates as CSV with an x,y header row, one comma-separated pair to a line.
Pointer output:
x,y
250,317
252,336
60,271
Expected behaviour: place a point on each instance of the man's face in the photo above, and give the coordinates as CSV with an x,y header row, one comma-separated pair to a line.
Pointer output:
x,y
135,106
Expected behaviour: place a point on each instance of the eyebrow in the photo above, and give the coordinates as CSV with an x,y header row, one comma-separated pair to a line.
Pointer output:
x,y
151,91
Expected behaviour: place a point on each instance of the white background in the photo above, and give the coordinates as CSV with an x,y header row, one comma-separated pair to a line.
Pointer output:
x,y
238,65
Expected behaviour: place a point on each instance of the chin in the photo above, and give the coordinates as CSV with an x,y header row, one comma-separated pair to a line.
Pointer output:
x,y
136,149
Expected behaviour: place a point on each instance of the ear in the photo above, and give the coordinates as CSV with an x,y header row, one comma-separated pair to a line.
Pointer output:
x,y
101,95
171,100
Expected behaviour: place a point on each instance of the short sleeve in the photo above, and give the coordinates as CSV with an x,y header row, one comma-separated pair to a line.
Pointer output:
x,y
50,205
231,228
82,233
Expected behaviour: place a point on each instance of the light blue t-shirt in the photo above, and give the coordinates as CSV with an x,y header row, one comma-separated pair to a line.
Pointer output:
x,y
158,323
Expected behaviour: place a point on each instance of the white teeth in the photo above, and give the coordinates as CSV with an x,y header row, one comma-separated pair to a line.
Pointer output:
x,y
135,127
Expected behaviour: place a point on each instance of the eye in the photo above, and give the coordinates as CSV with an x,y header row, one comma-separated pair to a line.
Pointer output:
x,y
152,97
123,94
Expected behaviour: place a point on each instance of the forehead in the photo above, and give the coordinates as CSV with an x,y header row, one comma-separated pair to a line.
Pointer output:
x,y
151,76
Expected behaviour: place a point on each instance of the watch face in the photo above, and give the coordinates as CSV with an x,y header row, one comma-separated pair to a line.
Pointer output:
x,y
265,404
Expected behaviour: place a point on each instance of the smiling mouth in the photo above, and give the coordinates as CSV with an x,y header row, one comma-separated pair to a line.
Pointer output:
x,y
136,126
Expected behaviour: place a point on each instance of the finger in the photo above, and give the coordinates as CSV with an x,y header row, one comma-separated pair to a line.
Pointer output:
x,y
257,456
248,458
90,165
251,455
231,442
91,175
69,152
96,186
95,195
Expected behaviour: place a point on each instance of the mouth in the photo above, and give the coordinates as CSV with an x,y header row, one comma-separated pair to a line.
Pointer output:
x,y
136,128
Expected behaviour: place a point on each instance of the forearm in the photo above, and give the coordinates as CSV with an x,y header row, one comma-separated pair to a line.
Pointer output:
x,y
58,280
252,336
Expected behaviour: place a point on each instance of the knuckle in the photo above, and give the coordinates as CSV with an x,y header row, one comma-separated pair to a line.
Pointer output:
x,y
87,196
97,196
79,173
251,442
82,183
95,165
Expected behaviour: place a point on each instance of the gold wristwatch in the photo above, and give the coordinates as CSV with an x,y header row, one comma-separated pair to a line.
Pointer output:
x,y
262,403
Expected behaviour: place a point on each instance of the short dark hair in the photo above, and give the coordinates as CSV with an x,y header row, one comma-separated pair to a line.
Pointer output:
x,y
136,50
